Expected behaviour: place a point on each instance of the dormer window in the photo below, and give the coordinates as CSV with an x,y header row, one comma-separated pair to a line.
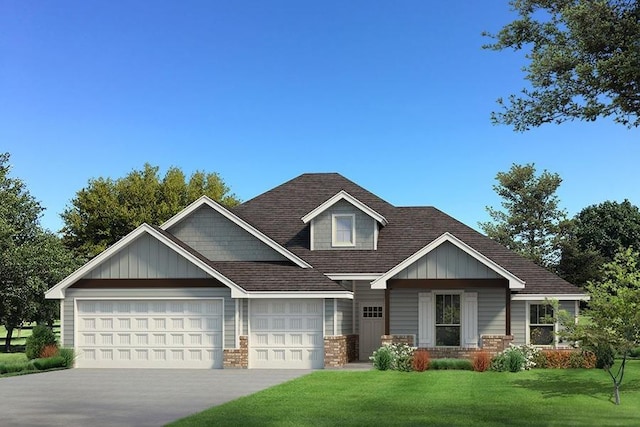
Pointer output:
x,y
344,230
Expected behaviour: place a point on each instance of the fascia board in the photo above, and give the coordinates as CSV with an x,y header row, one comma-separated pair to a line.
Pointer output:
x,y
514,281
300,295
559,297
204,200
343,195
353,276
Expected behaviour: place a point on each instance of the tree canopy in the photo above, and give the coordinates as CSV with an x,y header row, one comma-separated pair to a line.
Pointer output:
x,y
31,259
531,222
583,62
108,209
596,235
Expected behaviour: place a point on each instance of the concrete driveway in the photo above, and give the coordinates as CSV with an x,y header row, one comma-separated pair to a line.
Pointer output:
x,y
131,397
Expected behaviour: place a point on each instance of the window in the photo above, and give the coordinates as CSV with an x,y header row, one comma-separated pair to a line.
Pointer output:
x,y
447,319
344,230
368,311
541,325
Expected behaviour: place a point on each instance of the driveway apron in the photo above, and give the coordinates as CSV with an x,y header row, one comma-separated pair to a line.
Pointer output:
x,y
125,397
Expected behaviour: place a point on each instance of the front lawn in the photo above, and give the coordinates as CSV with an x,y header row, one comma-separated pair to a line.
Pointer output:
x,y
12,358
543,397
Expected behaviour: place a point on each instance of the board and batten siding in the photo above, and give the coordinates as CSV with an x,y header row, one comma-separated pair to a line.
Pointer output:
x,y
323,224
219,239
447,261
363,292
519,313
146,258
150,294
404,311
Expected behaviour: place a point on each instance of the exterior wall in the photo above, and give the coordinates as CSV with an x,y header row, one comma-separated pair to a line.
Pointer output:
x,y
146,258
237,357
328,316
344,317
340,350
322,228
72,294
493,344
519,317
363,292
219,239
447,261
404,311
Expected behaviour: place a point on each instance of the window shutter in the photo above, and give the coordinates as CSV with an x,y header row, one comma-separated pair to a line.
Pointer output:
x,y
470,319
425,320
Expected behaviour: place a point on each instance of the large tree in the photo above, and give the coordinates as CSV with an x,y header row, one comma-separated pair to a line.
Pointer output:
x,y
31,259
583,61
597,234
611,325
108,209
531,223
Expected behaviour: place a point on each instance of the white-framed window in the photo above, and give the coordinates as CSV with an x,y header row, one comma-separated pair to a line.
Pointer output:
x,y
448,324
541,328
343,230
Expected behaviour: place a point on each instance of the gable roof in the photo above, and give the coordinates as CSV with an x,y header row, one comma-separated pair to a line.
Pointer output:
x,y
206,201
343,195
277,213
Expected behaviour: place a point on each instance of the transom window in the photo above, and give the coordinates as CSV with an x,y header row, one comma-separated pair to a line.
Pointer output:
x,y
372,311
541,325
448,320
344,230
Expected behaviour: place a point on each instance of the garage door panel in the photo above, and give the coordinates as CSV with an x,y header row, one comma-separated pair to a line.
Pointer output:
x,y
286,334
150,334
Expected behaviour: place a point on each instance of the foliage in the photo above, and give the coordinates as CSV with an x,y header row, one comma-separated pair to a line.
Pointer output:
x,y
398,357
531,223
597,234
451,364
107,210
515,358
68,355
583,62
564,359
481,361
421,360
49,350
382,358
635,352
41,364
49,363
612,324
31,259
41,337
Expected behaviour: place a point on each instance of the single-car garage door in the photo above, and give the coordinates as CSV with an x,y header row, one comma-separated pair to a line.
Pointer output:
x,y
149,333
286,334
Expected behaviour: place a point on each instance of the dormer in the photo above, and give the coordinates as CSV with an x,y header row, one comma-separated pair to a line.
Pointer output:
x,y
343,223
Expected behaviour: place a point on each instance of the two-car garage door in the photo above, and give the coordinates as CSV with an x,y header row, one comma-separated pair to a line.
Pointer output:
x,y
149,333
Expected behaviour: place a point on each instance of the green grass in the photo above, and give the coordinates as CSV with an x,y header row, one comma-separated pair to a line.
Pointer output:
x,y
12,358
544,397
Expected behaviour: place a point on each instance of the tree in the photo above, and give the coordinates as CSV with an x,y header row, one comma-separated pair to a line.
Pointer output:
x,y
597,234
532,224
31,259
584,61
612,323
107,210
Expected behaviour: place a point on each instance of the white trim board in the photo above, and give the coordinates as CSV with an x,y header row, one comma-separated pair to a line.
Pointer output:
x,y
514,281
343,195
559,297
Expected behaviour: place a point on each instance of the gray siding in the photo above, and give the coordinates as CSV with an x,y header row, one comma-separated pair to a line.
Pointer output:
x,y
328,316
404,311
519,317
322,225
344,317
363,292
219,239
146,258
229,305
447,261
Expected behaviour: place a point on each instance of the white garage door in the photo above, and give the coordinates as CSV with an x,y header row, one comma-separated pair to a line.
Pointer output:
x,y
286,334
149,333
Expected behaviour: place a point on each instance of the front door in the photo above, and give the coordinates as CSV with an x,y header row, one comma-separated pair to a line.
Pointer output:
x,y
371,328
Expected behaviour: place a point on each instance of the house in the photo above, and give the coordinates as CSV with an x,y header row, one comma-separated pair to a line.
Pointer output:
x,y
314,273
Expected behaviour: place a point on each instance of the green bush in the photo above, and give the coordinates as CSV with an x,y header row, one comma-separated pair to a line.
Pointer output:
x,y
605,356
540,359
10,368
382,358
515,358
635,352
451,364
68,355
49,363
516,361
41,336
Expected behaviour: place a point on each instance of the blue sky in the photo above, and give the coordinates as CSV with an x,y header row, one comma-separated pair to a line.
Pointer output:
x,y
394,95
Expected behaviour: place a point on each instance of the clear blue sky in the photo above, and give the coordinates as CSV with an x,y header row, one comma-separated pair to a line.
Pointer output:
x,y
394,95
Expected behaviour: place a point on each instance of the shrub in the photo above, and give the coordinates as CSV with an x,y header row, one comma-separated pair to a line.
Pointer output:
x,y
421,360
382,358
515,358
605,356
49,350
540,359
481,361
635,352
451,364
563,359
11,368
49,363
41,336
68,355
